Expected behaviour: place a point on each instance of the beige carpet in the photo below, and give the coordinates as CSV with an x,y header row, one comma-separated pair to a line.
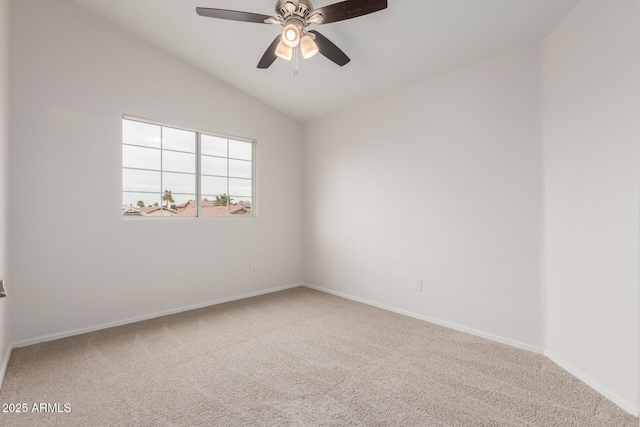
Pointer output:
x,y
297,357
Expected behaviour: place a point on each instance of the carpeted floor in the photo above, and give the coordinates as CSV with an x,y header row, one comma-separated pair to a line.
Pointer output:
x,y
297,357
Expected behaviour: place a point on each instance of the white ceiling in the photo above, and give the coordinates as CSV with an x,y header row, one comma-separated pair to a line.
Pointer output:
x,y
410,41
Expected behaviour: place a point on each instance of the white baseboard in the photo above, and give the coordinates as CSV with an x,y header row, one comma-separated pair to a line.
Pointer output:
x,y
614,397
5,363
482,334
66,334
594,384
597,386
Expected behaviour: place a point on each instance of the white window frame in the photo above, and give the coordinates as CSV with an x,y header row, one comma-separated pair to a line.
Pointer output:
x,y
198,154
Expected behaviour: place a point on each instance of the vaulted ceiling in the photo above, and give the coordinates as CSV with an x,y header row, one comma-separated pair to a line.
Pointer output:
x,y
410,41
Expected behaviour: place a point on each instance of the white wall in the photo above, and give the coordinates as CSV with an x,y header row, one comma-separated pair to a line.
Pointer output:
x,y
440,181
591,117
5,332
75,262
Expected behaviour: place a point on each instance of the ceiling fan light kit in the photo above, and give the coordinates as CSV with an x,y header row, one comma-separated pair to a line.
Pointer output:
x,y
284,51
291,35
308,47
295,16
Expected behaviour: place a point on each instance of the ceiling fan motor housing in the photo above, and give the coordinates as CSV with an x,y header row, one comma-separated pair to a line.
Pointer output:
x,y
302,10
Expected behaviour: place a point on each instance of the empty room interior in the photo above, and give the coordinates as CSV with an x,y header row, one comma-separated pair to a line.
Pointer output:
x,y
392,213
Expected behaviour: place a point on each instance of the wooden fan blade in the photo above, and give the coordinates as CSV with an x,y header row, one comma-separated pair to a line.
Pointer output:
x,y
349,9
330,50
270,56
233,15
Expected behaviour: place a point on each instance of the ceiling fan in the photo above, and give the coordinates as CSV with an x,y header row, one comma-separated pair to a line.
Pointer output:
x,y
295,16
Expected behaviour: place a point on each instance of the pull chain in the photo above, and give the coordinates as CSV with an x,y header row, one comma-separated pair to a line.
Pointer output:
x,y
295,61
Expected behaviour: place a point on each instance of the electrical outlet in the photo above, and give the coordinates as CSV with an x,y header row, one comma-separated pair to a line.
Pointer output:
x,y
417,285
254,269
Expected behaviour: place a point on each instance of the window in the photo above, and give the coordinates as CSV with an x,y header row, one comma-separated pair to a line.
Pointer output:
x,y
167,171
